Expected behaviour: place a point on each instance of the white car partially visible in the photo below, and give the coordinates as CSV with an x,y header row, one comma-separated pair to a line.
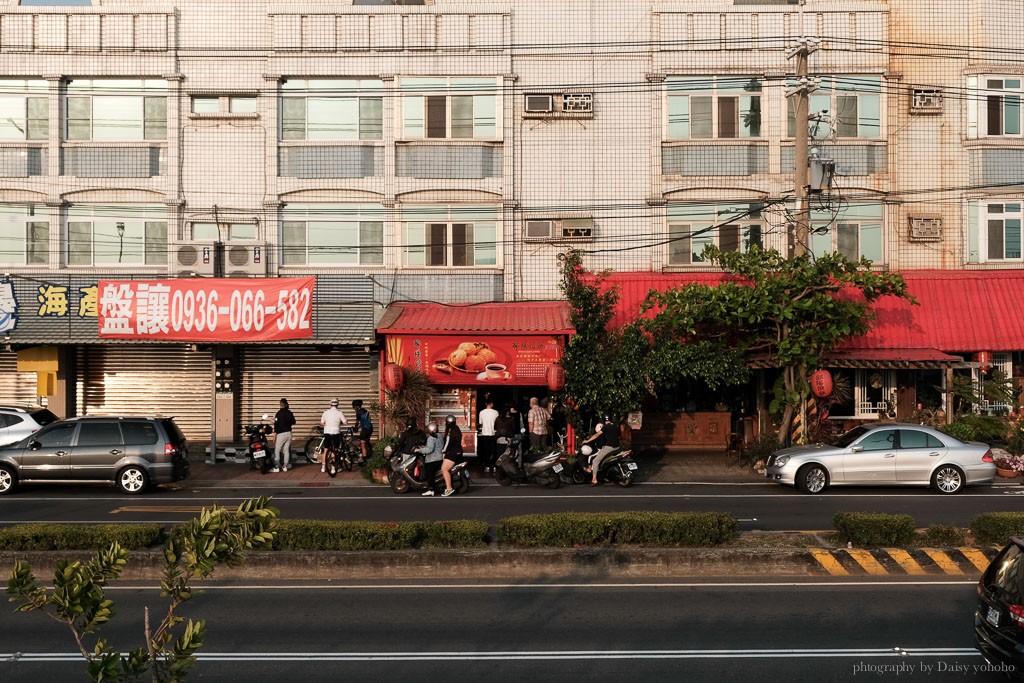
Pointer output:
x,y
17,422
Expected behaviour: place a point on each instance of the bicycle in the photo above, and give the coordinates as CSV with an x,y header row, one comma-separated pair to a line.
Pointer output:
x,y
349,455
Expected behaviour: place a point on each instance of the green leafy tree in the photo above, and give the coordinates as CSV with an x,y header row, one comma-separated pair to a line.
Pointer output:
x,y
78,600
612,370
785,312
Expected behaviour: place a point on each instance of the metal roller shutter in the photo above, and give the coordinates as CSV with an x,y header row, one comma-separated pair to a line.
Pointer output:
x,y
171,380
17,388
309,380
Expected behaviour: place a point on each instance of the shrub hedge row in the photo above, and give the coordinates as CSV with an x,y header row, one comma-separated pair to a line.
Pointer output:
x,y
80,536
563,530
997,527
874,528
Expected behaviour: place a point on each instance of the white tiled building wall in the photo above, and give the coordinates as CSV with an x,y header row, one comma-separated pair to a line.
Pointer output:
x,y
925,187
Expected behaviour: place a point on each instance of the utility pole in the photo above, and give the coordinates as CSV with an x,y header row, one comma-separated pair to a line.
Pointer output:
x,y
802,91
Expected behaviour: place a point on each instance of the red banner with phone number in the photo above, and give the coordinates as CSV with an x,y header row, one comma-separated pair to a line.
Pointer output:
x,y
207,309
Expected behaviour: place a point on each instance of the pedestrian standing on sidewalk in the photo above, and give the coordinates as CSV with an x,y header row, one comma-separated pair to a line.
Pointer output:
x,y
487,439
284,420
331,421
538,418
365,428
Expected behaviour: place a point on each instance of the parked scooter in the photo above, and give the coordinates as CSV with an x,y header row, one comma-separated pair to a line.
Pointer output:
x,y
618,467
258,453
515,466
407,475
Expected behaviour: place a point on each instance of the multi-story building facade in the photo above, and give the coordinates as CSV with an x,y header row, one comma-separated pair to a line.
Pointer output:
x,y
449,150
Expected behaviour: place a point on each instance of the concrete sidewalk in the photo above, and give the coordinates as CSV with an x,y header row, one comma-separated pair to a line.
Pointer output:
x,y
690,467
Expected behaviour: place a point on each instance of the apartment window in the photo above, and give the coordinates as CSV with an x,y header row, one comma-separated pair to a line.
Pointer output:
x,y
714,107
215,232
121,110
1001,238
134,235
449,108
693,227
332,235
855,232
223,104
321,109
24,110
464,236
24,238
993,103
847,107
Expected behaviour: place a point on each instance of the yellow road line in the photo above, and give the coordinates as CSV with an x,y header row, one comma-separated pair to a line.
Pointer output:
x,y
826,560
976,557
158,508
868,562
904,560
942,559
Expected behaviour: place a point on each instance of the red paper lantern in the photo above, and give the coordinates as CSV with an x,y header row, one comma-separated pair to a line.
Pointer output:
x,y
394,377
555,376
821,383
985,358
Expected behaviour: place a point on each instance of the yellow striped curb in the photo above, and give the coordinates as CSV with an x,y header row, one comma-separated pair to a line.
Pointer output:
x,y
899,561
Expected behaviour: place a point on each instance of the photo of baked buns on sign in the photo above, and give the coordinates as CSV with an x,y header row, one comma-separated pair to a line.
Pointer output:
x,y
474,358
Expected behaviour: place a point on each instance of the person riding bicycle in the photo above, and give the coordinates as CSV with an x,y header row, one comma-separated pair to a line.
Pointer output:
x,y
332,421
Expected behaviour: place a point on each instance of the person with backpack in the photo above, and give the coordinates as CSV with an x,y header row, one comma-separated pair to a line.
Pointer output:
x,y
365,427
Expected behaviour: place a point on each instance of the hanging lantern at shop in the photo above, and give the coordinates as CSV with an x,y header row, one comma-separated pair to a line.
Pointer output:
x,y
555,376
821,383
394,377
985,359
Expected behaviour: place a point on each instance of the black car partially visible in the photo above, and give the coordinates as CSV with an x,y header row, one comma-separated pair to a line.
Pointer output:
x,y
999,619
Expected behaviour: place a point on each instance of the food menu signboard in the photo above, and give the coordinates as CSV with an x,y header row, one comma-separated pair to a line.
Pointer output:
x,y
477,359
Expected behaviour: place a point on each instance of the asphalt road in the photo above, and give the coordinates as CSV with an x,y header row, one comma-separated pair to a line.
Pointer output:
x,y
758,506
764,631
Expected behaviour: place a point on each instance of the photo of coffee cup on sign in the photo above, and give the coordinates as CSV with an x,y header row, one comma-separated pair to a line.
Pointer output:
x,y
475,358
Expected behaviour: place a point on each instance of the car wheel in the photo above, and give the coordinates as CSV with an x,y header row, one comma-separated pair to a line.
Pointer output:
x,y
948,479
8,480
812,479
132,480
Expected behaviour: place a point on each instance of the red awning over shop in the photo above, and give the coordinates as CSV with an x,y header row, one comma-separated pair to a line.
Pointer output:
x,y
525,317
959,311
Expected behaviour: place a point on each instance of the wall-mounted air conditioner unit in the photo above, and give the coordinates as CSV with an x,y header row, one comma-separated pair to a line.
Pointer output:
x,y
245,258
558,229
926,228
539,230
926,101
539,104
199,258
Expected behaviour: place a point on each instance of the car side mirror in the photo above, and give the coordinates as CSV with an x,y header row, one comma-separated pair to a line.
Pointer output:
x,y
856,449
34,445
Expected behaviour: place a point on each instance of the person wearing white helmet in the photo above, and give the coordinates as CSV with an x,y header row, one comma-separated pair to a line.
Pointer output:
x,y
284,420
332,421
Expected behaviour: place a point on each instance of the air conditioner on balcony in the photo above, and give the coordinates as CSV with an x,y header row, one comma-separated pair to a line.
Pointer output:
x,y
245,258
195,258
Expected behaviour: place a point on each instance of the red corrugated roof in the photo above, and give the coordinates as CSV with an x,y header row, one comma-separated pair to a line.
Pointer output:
x,y
959,311
529,317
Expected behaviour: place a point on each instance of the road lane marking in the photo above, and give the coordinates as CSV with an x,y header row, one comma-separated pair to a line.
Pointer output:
x,y
556,655
905,561
867,562
158,508
943,561
830,564
549,586
976,557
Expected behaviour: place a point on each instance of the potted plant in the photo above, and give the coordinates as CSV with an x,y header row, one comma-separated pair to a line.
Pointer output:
x,y
1009,466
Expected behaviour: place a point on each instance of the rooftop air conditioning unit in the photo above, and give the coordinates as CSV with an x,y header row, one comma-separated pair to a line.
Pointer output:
x,y
245,258
195,258
539,104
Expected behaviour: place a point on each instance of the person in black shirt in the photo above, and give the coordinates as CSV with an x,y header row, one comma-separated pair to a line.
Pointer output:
x,y
284,420
612,441
411,438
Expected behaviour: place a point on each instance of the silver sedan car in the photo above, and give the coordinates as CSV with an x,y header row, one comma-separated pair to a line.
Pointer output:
x,y
885,454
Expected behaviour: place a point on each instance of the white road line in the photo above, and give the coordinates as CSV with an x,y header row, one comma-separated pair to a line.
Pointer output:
x,y
788,653
547,586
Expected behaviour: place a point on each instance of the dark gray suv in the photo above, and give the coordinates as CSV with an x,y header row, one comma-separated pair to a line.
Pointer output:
x,y
132,452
